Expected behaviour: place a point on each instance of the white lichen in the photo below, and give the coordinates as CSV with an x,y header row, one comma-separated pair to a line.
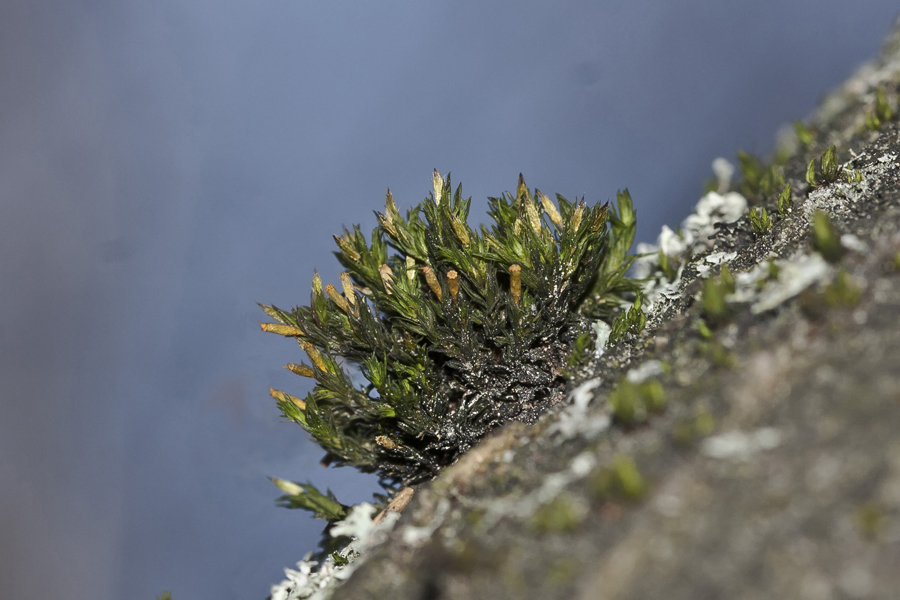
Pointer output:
x,y
739,445
724,171
651,368
520,506
794,275
313,581
601,331
851,242
576,420
692,238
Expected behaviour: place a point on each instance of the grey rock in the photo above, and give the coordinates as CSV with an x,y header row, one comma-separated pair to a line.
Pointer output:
x,y
773,472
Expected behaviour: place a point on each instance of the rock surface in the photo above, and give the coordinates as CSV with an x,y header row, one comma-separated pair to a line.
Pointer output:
x,y
774,469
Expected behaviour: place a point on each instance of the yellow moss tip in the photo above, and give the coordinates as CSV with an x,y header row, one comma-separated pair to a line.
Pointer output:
x,y
314,355
301,369
389,205
432,281
517,226
387,223
347,284
410,268
576,217
453,283
534,219
387,278
339,300
288,487
522,189
459,229
515,283
279,395
438,182
549,208
346,247
280,329
317,283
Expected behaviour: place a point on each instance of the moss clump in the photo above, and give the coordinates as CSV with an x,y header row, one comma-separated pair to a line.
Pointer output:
x,y
760,221
561,515
632,320
805,137
622,480
713,301
881,113
784,203
825,238
759,179
686,431
631,402
829,170
870,520
457,330
842,291
562,571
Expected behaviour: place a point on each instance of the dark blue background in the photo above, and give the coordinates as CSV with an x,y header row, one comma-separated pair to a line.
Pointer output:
x,y
166,164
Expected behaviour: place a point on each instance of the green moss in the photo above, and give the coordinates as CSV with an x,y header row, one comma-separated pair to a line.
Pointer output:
x,y
306,496
825,239
474,517
842,291
582,351
457,330
870,520
760,221
704,423
804,136
632,402
562,571
683,432
759,179
704,330
828,170
772,272
881,112
621,480
713,303
631,321
561,515
669,266
686,431
853,176
785,203
719,355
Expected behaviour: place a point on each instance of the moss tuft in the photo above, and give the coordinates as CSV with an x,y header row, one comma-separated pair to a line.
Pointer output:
x,y
622,480
457,330
631,402
561,515
825,238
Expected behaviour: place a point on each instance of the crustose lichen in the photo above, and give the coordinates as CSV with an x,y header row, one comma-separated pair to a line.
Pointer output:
x,y
457,330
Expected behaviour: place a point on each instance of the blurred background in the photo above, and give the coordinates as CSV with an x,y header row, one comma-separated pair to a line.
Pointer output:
x,y
166,164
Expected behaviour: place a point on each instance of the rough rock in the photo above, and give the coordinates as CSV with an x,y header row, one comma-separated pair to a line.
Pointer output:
x,y
774,469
